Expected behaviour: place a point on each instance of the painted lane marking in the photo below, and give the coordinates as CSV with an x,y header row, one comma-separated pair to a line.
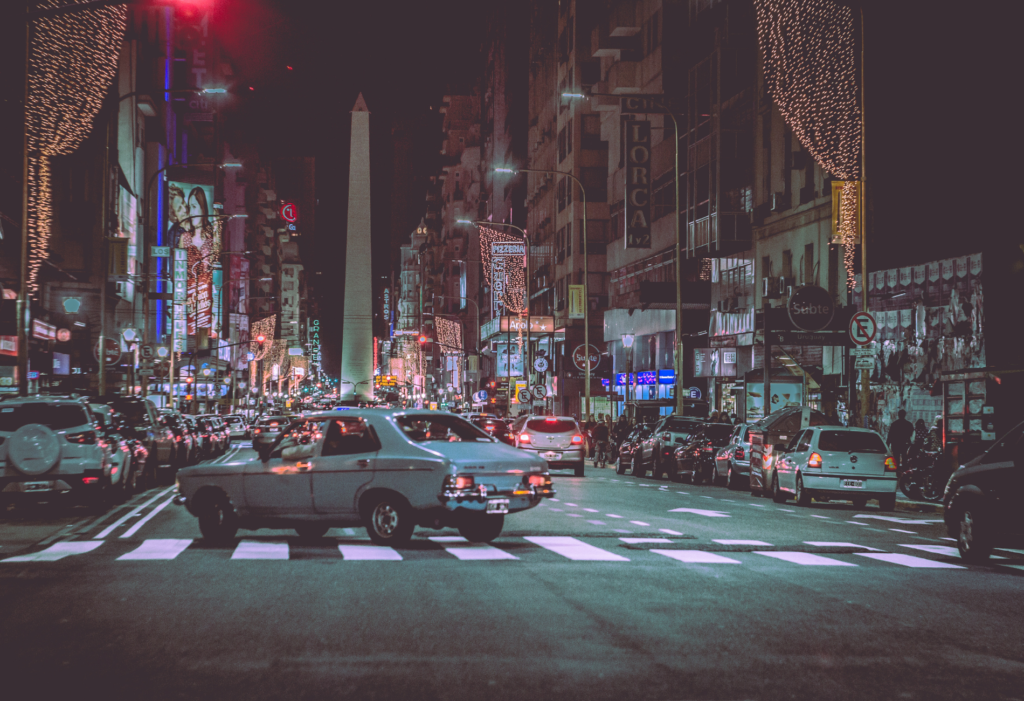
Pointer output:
x,y
669,531
574,549
911,561
686,493
742,542
58,551
762,506
700,512
639,523
569,503
634,541
954,540
730,500
134,512
787,510
369,552
613,516
799,558
830,544
816,516
464,550
145,519
697,557
900,530
593,511
575,515
893,519
554,509
158,549
553,499
598,523
942,550
857,523
1005,550
260,550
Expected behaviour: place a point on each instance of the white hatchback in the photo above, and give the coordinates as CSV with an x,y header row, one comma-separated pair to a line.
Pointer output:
x,y
836,462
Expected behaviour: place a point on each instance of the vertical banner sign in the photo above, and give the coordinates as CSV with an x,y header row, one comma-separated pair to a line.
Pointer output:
x,y
178,321
576,301
638,184
504,256
193,227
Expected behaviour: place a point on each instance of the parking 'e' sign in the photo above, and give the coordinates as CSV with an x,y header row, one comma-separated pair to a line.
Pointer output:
x,y
863,328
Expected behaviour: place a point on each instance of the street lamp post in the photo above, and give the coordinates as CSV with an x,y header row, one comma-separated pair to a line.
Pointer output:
x,y
679,248
627,342
586,275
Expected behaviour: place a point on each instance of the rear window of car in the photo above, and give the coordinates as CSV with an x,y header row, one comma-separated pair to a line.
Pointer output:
x,y
271,423
135,411
551,425
491,425
851,442
431,427
682,426
718,433
54,416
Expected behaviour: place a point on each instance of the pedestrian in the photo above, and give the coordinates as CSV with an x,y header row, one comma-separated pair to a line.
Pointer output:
x,y
713,418
920,436
935,436
900,434
621,429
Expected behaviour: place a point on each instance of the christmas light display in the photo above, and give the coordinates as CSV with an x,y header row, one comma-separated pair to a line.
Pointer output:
x,y
72,61
264,327
514,297
449,334
810,72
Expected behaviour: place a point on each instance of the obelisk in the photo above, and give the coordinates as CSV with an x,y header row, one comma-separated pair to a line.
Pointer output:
x,y
357,325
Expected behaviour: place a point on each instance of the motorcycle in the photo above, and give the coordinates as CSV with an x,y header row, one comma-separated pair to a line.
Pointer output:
x,y
925,476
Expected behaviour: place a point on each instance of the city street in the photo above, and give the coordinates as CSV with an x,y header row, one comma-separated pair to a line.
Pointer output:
x,y
617,588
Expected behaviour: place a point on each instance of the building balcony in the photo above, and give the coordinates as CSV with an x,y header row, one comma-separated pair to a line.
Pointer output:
x,y
721,234
619,47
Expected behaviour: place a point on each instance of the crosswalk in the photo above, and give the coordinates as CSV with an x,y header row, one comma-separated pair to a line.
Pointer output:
x,y
635,550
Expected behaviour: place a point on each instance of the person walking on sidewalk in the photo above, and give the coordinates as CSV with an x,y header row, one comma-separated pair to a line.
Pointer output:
x,y
900,434
600,435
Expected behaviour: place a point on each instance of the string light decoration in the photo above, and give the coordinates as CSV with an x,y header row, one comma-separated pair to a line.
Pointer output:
x,y
811,74
264,327
449,337
72,61
513,298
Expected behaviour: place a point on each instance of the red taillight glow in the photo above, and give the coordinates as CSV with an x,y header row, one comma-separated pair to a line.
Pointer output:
x,y
890,464
739,454
814,461
464,482
577,439
540,480
524,437
666,436
90,480
83,438
256,430
550,420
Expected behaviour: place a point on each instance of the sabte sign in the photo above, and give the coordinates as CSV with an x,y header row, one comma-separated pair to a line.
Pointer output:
x,y
638,184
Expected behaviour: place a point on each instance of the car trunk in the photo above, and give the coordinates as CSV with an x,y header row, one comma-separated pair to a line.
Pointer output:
x,y
503,473
556,435
852,454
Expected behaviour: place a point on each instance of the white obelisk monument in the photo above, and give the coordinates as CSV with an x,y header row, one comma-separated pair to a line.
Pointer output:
x,y
357,325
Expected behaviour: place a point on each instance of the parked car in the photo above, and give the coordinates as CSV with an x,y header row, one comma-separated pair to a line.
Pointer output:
x,y
50,446
658,449
184,442
983,500
266,429
237,426
735,458
557,439
629,447
125,470
495,427
201,437
696,461
149,427
778,429
836,462
388,470
219,437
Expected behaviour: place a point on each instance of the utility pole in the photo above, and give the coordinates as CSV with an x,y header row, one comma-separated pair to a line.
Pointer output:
x,y
22,306
865,389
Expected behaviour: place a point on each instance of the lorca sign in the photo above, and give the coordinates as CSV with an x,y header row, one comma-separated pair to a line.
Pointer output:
x,y
811,308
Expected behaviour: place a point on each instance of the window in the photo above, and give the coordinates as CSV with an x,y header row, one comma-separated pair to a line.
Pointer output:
x,y
766,266
851,442
809,264
561,144
1005,450
805,442
56,417
450,429
568,239
787,264
349,437
561,194
551,425
568,136
299,440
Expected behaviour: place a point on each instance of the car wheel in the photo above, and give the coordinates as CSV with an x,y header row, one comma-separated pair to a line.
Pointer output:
x,y
672,473
972,541
579,468
312,531
730,480
620,467
778,496
716,479
859,502
803,497
119,491
638,467
217,520
478,527
656,470
389,521
887,502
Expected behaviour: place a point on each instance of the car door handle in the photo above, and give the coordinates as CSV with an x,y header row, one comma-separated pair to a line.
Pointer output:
x,y
363,463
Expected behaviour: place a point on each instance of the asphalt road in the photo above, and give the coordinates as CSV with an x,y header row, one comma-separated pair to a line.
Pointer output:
x,y
617,589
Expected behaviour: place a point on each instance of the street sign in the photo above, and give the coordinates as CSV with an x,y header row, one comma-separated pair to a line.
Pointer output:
x,y
863,328
581,361
540,364
862,351
693,392
480,396
523,396
811,308
147,351
160,251
112,352
864,363
539,391
809,338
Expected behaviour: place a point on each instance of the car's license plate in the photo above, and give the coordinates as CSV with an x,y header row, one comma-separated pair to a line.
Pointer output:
x,y
852,484
551,455
497,506
36,486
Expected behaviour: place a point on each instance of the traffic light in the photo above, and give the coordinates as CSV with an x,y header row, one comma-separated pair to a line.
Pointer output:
x,y
260,338
424,340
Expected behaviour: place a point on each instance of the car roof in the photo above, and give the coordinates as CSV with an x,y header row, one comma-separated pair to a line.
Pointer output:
x,y
852,429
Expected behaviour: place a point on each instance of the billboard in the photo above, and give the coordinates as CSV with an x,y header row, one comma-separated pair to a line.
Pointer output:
x,y
193,226
506,258
638,184
503,362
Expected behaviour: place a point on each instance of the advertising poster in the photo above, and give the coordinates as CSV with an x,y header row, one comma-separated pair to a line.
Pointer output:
x,y
503,362
193,226
783,394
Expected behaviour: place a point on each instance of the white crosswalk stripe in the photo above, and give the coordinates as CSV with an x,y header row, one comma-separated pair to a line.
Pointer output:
x,y
798,558
574,549
698,557
831,544
58,551
941,550
260,550
911,561
464,550
742,542
379,553
158,549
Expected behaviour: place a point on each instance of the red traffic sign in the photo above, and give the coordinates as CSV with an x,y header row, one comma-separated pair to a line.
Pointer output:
x,y
863,328
581,360
112,352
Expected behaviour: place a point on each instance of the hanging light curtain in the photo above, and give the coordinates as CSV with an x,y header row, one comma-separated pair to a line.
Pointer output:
x,y
72,61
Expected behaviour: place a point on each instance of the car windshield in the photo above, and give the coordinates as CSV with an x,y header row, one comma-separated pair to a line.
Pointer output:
x,y
135,411
54,416
421,428
718,433
851,442
551,425
235,420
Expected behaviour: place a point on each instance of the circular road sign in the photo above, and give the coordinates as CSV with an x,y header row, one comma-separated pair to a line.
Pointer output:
x,y
147,351
693,392
523,395
63,335
811,308
540,364
581,360
111,352
539,391
863,328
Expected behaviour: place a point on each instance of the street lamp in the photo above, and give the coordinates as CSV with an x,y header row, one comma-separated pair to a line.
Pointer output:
x,y
679,260
627,343
132,340
586,273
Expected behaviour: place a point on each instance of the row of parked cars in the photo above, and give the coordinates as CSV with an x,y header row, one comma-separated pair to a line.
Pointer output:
x,y
99,450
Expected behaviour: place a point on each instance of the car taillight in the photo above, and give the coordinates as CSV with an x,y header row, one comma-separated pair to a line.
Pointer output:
x,y
83,438
577,439
177,439
458,482
890,464
739,454
256,430
666,436
539,480
524,437
708,448
814,461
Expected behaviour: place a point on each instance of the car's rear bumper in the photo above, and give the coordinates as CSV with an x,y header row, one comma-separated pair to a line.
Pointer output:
x,y
49,484
832,485
559,455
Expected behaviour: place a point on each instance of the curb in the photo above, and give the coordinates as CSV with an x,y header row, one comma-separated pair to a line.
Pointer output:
x,y
923,507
